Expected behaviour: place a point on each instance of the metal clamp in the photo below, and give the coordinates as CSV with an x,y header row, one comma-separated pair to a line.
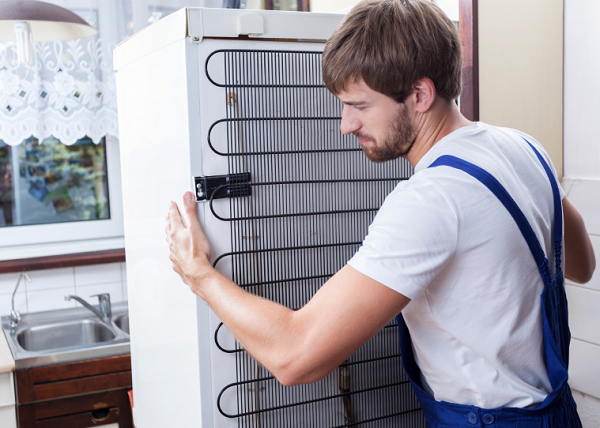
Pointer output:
x,y
222,186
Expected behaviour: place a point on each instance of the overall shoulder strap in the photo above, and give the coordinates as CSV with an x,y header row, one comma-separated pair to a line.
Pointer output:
x,y
500,192
558,221
554,301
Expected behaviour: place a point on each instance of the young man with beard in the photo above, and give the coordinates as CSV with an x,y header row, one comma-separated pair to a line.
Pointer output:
x,y
451,248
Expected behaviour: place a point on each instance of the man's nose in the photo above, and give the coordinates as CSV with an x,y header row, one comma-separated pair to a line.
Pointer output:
x,y
350,122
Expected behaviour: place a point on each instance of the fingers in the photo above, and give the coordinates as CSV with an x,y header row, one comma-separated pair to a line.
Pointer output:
x,y
168,232
173,216
189,204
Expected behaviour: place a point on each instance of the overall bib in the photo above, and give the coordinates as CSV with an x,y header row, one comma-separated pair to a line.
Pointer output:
x,y
558,410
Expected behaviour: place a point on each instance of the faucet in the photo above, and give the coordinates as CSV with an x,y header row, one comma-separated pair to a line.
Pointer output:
x,y
104,313
15,316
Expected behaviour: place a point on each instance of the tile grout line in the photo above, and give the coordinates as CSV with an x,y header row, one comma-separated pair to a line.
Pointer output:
x,y
581,286
586,341
75,285
26,297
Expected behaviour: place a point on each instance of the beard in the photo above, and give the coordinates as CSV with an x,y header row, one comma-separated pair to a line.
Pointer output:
x,y
396,141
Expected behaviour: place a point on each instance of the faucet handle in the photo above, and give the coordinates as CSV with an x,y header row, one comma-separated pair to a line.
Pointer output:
x,y
102,297
104,304
15,317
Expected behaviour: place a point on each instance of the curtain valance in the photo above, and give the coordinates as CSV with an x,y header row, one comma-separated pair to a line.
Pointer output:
x,y
69,92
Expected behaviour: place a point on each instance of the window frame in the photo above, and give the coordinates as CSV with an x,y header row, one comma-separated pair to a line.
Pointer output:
x,y
469,40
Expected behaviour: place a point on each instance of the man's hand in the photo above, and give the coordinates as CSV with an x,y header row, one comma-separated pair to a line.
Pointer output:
x,y
296,346
188,247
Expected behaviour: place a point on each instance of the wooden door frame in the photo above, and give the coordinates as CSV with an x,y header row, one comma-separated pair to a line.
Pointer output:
x,y
469,39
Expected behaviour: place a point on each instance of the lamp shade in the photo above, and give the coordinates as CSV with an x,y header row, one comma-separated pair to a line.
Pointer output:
x,y
48,22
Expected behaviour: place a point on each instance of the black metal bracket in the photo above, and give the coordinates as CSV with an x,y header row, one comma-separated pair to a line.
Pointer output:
x,y
222,186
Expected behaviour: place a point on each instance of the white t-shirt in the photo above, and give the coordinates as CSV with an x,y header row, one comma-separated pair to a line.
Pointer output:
x,y
445,241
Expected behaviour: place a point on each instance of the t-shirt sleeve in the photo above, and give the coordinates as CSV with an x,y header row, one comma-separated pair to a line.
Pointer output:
x,y
411,239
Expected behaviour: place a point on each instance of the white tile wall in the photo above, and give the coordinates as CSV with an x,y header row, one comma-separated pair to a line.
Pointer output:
x,y
47,288
584,375
581,160
50,279
584,302
8,282
588,408
47,300
582,167
97,274
566,185
584,313
585,196
581,89
20,302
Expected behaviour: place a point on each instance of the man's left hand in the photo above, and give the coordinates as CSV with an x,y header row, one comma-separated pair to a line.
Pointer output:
x,y
188,247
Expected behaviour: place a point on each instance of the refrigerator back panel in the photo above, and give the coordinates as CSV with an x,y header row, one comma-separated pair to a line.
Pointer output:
x,y
286,200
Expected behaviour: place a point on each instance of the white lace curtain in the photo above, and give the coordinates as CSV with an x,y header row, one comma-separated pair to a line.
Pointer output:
x,y
69,92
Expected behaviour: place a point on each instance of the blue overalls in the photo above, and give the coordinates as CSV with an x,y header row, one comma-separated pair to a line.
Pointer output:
x,y
558,410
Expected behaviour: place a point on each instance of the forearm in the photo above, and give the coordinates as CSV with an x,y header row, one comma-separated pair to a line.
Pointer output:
x,y
267,330
580,260
305,345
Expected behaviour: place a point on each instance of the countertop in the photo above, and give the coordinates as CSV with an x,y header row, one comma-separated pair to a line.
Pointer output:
x,y
7,363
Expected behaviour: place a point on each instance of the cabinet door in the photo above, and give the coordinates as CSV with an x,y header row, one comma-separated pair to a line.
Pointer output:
x,y
74,378
84,420
111,409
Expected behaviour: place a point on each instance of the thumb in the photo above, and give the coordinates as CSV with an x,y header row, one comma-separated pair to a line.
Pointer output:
x,y
189,203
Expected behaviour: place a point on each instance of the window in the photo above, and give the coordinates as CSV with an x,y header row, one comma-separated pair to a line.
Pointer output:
x,y
55,199
49,182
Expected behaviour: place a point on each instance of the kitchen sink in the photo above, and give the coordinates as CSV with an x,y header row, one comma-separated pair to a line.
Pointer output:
x,y
122,322
65,335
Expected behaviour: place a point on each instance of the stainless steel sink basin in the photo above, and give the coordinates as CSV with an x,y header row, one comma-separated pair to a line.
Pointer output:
x,y
123,322
67,335
64,335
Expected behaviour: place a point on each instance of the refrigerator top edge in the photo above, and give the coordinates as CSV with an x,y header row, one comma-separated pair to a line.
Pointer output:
x,y
200,23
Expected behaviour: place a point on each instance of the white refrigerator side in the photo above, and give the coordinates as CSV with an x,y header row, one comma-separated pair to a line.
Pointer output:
x,y
155,129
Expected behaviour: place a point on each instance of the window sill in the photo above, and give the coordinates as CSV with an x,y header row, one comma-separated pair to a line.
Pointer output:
x,y
61,261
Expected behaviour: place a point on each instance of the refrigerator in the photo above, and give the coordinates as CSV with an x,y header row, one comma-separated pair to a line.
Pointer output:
x,y
230,104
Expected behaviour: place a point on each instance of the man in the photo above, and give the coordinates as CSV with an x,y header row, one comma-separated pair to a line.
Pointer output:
x,y
442,249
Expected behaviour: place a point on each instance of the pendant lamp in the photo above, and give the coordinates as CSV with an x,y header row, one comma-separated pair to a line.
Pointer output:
x,y
27,21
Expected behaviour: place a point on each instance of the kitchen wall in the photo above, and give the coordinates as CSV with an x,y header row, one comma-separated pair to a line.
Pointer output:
x,y
582,184
47,288
520,69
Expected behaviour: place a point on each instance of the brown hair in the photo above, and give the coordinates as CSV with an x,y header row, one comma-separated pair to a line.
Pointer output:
x,y
391,44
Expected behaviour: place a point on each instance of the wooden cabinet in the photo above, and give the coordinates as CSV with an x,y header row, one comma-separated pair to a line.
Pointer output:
x,y
79,394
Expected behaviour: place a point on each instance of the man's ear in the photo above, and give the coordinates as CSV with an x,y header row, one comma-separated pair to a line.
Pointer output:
x,y
424,91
